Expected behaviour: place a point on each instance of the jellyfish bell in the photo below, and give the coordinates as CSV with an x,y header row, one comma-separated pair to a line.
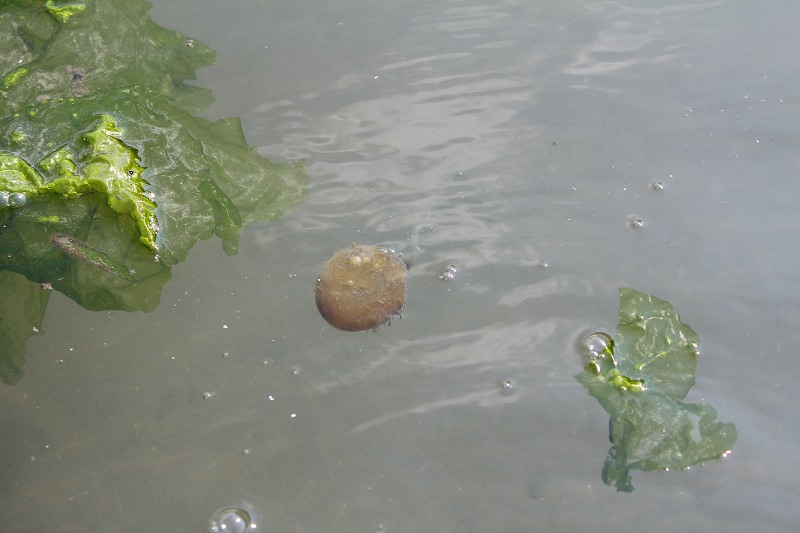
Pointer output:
x,y
361,287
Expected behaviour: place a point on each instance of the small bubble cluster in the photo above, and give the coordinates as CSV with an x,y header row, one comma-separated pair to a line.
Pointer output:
x,y
153,223
449,273
695,347
15,199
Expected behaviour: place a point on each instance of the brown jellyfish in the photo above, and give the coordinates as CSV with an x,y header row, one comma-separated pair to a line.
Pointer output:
x,y
361,287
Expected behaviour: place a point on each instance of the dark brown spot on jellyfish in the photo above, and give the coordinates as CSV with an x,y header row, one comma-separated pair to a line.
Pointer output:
x,y
361,287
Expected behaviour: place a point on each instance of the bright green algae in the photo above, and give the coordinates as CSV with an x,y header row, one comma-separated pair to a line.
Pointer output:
x,y
109,170
63,11
640,379
107,176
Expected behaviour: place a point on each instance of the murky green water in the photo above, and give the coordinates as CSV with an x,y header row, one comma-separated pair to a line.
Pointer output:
x,y
522,140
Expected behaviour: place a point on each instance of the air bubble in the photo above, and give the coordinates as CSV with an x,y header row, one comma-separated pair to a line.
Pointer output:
x,y
17,199
507,387
208,395
594,344
449,273
635,223
3,199
231,520
657,185
695,347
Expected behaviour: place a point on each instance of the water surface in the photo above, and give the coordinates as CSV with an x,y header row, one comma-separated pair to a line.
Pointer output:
x,y
519,139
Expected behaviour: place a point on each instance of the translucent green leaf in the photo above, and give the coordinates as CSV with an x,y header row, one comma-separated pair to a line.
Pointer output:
x,y
655,344
28,301
640,381
88,46
107,178
109,169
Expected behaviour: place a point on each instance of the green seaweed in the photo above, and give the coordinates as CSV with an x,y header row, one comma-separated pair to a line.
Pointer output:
x,y
29,301
640,379
107,176
83,252
62,12
110,170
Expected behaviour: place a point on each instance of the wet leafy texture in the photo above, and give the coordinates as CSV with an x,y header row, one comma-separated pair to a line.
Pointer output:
x,y
107,178
641,380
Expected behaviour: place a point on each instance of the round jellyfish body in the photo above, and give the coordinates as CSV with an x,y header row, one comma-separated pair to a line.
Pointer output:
x,y
361,287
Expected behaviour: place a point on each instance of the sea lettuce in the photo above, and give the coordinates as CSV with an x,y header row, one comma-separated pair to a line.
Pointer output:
x,y
107,175
56,50
640,378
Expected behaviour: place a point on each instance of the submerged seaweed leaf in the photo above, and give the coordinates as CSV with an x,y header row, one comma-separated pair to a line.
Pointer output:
x,y
107,44
107,178
640,380
28,300
109,169
83,252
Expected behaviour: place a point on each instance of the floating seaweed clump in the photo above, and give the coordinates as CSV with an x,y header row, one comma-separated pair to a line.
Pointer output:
x,y
107,175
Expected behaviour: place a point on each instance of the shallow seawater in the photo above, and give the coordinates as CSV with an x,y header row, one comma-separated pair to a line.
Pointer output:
x,y
545,154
